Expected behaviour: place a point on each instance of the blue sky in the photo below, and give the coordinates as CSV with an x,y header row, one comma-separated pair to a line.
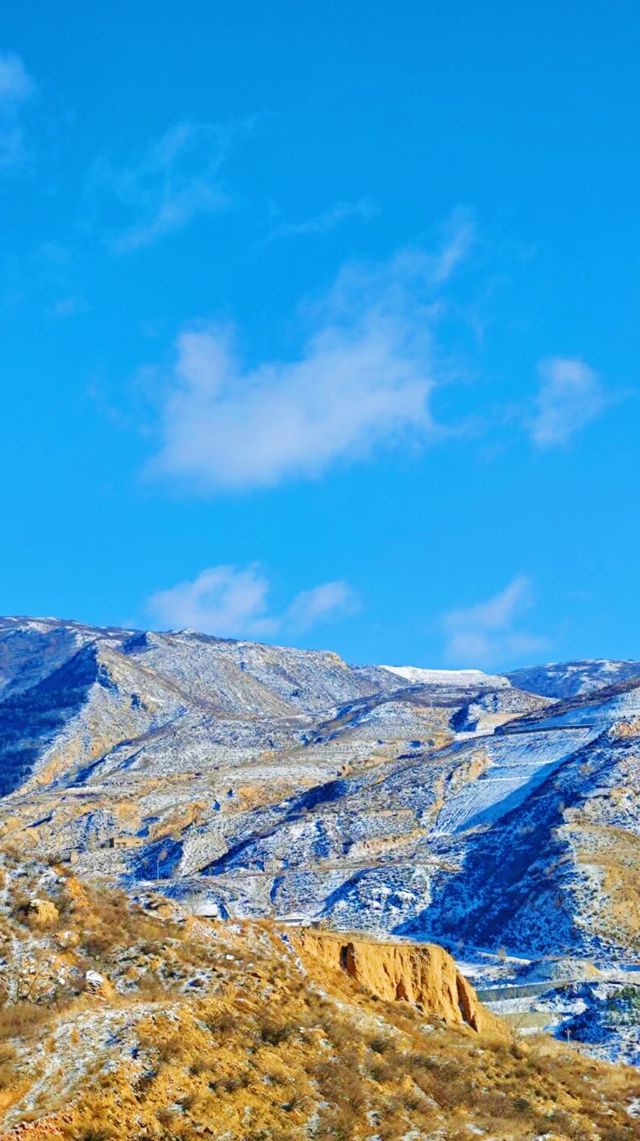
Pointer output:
x,y
320,323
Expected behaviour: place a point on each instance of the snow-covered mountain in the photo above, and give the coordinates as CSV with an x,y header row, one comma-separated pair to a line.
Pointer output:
x,y
477,809
574,679
472,678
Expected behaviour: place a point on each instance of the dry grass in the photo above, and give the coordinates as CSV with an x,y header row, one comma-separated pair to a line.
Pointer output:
x,y
260,1052
23,1019
616,854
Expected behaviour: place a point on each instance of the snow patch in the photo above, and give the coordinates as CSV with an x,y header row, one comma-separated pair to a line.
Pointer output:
x,y
419,676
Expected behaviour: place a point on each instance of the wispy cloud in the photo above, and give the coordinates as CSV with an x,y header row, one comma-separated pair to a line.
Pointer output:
x,y
570,397
458,236
16,89
234,602
327,601
325,222
176,179
491,632
360,382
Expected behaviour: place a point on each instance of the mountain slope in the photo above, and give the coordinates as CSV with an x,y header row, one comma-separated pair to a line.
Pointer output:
x,y
574,679
123,1020
259,780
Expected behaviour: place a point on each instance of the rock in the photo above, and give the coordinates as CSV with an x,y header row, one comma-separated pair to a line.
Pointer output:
x,y
66,940
97,984
42,913
50,1126
207,909
422,974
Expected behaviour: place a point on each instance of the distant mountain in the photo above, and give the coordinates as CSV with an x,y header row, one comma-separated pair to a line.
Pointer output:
x,y
472,678
573,679
251,779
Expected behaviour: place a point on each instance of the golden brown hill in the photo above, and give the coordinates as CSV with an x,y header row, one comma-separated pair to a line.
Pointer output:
x,y
228,1031
423,974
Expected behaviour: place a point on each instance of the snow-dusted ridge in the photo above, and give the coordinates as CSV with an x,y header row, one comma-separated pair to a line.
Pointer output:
x,y
574,679
418,675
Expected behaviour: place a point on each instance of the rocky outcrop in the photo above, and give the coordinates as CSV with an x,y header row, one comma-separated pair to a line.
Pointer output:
x,y
42,913
96,983
53,1125
422,974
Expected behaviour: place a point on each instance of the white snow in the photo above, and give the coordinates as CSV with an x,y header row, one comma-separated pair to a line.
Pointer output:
x,y
419,676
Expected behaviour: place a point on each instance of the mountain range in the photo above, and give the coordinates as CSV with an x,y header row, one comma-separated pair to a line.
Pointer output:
x,y
481,811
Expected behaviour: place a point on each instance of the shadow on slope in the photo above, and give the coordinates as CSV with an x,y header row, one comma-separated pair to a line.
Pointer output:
x,y
514,885
44,709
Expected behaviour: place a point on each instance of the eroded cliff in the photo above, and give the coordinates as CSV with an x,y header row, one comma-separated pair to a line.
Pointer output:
x,y
423,975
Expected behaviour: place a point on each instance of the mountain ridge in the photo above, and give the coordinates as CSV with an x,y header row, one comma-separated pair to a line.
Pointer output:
x,y
261,780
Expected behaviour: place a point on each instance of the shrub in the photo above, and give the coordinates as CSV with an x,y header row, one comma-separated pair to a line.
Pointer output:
x,y
20,1019
273,1033
221,1021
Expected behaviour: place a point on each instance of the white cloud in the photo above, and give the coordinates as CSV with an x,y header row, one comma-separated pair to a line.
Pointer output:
x,y
330,600
16,89
230,601
325,222
490,633
177,178
569,397
361,382
222,600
